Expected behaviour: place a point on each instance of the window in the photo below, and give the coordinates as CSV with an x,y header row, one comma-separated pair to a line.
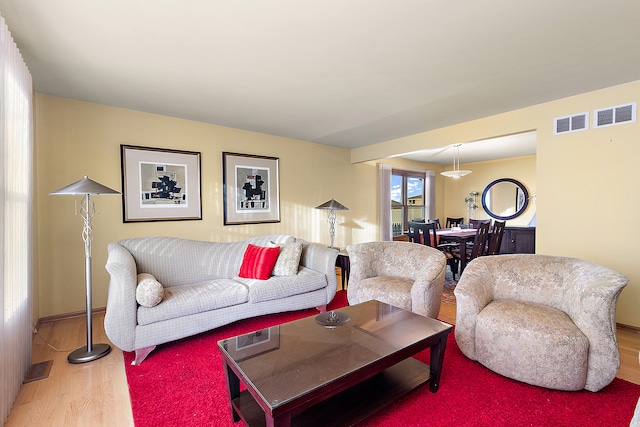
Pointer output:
x,y
407,199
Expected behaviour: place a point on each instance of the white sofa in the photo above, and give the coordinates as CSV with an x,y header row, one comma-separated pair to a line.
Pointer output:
x,y
202,289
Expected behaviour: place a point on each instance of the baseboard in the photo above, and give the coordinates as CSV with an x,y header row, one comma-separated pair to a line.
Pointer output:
x,y
66,316
628,328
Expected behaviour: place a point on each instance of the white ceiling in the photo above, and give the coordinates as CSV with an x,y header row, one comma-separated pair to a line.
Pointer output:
x,y
503,147
347,73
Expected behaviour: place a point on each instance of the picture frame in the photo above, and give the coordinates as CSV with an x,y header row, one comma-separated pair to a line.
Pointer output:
x,y
160,184
251,190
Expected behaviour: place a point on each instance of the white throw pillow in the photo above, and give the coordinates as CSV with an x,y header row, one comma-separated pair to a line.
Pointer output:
x,y
288,259
149,291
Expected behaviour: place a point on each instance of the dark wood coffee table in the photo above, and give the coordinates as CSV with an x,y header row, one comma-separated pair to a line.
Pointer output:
x,y
303,373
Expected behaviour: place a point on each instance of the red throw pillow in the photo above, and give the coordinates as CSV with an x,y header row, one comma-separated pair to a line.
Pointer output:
x,y
258,262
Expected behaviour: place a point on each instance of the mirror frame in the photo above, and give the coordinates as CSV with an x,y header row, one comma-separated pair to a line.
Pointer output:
x,y
518,212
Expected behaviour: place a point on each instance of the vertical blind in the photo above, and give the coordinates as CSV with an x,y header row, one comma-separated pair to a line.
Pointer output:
x,y
16,193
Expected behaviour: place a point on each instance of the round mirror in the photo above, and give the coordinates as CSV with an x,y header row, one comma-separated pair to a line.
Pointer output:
x,y
505,198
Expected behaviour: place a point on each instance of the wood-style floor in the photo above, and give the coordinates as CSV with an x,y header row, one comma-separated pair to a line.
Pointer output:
x,y
96,393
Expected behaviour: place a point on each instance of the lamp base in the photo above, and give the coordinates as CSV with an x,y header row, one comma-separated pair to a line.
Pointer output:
x,y
81,355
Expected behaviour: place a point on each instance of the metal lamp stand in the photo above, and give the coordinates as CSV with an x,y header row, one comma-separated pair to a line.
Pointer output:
x,y
332,206
86,187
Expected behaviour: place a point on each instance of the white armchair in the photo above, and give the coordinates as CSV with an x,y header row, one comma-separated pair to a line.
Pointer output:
x,y
544,320
403,274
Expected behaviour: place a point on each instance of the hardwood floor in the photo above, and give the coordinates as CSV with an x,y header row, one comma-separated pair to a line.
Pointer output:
x,y
93,393
96,393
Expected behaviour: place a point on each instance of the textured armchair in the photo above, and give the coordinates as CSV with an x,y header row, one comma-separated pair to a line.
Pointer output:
x,y
544,320
402,274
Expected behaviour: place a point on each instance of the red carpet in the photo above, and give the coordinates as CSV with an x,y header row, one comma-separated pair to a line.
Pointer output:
x,y
182,384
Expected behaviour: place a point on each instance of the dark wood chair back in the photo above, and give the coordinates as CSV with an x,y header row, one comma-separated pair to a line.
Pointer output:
x,y
429,236
424,233
414,232
495,240
475,222
454,222
480,241
436,221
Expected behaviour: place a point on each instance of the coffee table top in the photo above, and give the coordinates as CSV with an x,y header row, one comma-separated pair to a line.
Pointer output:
x,y
287,361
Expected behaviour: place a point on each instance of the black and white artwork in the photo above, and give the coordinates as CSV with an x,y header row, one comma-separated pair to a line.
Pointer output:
x,y
251,192
160,184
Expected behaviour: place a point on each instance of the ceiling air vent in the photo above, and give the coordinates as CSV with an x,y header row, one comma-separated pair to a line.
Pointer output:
x,y
572,123
615,115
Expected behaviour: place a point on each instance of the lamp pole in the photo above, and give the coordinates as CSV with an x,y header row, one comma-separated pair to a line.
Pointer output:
x,y
85,188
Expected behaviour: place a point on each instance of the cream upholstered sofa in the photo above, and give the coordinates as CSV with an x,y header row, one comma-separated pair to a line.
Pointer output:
x,y
403,274
544,320
202,289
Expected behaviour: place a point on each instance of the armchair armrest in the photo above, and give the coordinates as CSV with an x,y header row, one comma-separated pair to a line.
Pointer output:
x,y
120,319
590,300
426,292
473,292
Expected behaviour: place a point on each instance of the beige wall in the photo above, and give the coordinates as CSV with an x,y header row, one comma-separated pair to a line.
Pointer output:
x,y
586,181
581,179
75,138
522,169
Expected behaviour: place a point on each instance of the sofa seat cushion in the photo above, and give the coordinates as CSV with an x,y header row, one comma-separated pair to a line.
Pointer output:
x,y
278,287
533,343
388,289
194,298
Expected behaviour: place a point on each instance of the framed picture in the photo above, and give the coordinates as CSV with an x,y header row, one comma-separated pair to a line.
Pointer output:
x,y
159,184
252,344
250,189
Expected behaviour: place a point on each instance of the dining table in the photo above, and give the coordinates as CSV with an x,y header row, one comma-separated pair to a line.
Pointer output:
x,y
460,236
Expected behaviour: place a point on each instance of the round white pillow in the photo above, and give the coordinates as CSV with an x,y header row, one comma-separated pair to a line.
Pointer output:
x,y
149,292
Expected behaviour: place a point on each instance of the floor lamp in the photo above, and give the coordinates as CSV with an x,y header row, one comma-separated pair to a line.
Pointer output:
x,y
332,206
87,188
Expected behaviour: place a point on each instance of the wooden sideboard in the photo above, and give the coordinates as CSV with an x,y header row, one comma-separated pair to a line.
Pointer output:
x,y
518,240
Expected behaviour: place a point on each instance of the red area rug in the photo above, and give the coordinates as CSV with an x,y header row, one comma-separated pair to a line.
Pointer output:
x,y
182,384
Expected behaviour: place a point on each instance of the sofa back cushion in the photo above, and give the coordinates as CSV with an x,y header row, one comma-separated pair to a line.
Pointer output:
x,y
175,261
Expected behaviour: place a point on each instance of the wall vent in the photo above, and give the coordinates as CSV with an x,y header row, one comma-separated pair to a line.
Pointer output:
x,y
573,123
617,115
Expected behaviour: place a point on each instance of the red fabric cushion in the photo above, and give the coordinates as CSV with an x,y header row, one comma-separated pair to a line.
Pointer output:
x,y
258,262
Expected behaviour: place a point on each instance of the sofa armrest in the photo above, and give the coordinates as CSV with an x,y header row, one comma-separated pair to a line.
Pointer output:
x,y
120,319
322,259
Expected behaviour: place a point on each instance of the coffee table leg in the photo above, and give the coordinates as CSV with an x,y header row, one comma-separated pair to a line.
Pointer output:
x,y
436,361
233,385
283,420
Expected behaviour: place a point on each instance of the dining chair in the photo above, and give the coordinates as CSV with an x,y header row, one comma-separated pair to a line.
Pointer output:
x,y
414,231
477,249
454,222
495,238
436,221
430,238
475,222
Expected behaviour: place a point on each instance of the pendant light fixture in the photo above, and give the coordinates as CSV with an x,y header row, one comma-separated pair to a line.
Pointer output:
x,y
456,173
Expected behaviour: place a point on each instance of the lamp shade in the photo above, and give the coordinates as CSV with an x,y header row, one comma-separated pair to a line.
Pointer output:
x,y
82,187
333,205
456,173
